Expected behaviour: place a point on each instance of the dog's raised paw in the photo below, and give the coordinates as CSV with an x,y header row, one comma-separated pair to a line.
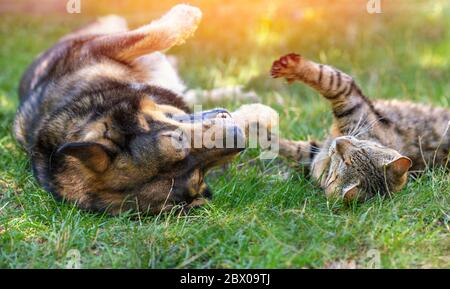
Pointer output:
x,y
183,20
286,66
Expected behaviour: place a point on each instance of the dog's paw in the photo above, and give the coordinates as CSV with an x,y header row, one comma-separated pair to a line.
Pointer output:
x,y
181,21
286,67
186,15
111,24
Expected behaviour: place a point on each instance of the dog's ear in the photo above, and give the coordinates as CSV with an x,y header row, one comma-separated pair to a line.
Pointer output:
x,y
171,29
93,156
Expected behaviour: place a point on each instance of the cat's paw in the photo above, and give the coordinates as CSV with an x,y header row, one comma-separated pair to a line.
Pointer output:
x,y
286,67
256,115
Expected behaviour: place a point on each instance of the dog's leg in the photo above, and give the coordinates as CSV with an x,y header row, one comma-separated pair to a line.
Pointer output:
x,y
158,70
171,29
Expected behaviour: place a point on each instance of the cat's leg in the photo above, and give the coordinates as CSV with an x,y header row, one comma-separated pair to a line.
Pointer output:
x,y
302,152
350,107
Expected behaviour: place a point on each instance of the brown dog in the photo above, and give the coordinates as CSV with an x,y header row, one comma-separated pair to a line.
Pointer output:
x,y
104,123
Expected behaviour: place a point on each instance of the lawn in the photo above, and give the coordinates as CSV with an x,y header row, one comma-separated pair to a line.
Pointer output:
x,y
265,214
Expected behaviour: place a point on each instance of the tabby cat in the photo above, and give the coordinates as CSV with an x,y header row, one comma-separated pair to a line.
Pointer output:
x,y
372,144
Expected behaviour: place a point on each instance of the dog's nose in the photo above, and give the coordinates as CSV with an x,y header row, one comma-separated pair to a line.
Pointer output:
x,y
215,113
223,114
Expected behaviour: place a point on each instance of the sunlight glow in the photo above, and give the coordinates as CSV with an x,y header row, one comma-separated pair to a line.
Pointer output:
x,y
312,14
6,103
265,34
433,60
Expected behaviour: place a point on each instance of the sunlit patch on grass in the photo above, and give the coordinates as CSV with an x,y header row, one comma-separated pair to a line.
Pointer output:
x,y
234,72
248,71
6,104
22,225
435,11
265,35
312,14
429,59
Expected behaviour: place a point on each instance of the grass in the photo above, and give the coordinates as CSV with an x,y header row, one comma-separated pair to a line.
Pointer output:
x,y
264,214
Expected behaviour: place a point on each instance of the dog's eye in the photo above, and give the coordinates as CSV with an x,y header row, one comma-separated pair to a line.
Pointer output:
x,y
177,139
106,130
177,136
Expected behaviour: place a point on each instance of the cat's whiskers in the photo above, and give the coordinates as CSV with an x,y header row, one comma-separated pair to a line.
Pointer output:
x,y
421,153
368,127
358,124
440,143
365,129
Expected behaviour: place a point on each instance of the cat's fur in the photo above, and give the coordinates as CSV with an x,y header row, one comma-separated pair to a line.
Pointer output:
x,y
372,143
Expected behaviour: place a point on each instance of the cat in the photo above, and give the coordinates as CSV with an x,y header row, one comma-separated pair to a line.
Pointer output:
x,y
373,144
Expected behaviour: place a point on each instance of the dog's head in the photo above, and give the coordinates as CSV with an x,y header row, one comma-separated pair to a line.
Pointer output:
x,y
114,143
139,152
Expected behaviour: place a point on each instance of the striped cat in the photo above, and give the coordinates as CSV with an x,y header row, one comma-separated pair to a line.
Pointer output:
x,y
372,144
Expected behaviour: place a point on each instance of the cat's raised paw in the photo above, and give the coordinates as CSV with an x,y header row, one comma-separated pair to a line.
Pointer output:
x,y
286,67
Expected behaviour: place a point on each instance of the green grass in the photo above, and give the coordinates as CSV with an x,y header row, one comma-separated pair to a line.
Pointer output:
x,y
264,214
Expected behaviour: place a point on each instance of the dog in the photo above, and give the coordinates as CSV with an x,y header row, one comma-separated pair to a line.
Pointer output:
x,y
103,118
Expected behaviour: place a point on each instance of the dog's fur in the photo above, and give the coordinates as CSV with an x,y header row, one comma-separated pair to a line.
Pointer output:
x,y
101,110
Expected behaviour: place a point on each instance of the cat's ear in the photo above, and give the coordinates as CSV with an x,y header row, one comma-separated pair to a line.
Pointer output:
x,y
342,145
399,166
93,156
351,192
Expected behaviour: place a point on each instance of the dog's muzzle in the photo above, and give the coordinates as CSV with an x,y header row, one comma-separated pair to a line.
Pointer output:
x,y
214,130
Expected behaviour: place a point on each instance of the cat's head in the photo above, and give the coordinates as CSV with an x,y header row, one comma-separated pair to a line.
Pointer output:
x,y
359,169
